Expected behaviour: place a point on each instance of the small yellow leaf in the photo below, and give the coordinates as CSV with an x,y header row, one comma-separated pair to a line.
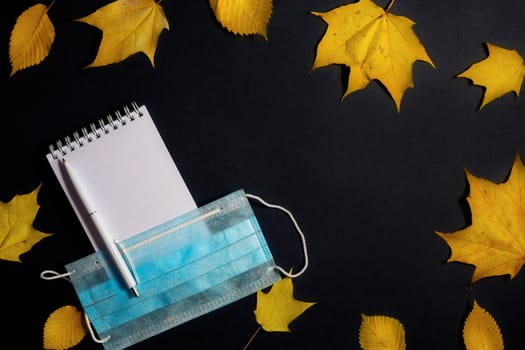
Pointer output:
x,y
495,241
128,27
381,333
375,44
64,328
500,73
481,331
277,308
31,38
17,234
243,17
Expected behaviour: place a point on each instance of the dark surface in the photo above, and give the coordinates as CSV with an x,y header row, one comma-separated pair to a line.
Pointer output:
x,y
368,186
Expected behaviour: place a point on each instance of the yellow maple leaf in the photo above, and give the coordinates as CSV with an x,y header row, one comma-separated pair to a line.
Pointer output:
x,y
481,331
500,73
381,333
495,241
374,43
277,308
31,38
243,17
64,328
128,27
17,235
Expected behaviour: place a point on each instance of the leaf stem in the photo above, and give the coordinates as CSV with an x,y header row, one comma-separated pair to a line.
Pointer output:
x,y
389,6
251,339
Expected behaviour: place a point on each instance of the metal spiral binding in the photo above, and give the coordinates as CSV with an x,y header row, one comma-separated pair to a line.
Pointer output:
x,y
89,134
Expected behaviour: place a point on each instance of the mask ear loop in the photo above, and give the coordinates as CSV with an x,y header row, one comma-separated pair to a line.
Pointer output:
x,y
50,275
92,333
296,225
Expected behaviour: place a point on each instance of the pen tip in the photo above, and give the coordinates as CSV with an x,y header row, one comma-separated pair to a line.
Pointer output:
x,y
135,291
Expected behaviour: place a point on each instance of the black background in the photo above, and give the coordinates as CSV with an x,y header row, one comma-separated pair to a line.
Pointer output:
x,y
369,186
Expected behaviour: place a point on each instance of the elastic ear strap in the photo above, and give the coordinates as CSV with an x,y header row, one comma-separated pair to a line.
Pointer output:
x,y
301,234
50,275
92,333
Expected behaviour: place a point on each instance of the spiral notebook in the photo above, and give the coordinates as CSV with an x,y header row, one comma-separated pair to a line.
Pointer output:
x,y
128,171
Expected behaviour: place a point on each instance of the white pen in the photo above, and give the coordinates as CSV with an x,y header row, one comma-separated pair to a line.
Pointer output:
x,y
110,245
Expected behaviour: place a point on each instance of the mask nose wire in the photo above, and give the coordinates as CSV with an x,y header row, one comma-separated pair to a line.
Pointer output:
x,y
299,231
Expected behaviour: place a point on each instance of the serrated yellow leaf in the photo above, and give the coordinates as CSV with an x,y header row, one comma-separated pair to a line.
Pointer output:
x,y
243,17
277,308
64,328
375,44
500,73
381,333
495,241
31,38
128,27
481,332
17,234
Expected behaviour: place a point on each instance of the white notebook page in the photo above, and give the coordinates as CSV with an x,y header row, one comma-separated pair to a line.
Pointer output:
x,y
130,176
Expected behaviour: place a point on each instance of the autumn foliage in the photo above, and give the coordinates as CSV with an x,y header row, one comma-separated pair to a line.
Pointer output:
x,y
495,242
64,328
31,38
376,45
17,234
500,73
277,308
128,27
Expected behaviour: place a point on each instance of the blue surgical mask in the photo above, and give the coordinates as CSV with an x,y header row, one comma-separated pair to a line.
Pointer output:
x,y
185,268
